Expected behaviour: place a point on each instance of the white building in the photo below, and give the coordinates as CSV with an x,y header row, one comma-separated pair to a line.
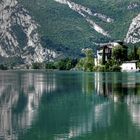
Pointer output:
x,y
107,50
130,66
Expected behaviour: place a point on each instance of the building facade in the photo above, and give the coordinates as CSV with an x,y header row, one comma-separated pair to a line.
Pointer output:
x,y
104,52
130,66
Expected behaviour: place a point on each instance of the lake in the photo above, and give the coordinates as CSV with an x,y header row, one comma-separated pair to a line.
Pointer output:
x,y
39,105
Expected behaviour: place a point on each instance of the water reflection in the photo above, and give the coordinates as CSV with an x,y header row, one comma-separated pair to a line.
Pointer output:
x,y
117,86
87,83
121,87
69,105
88,112
20,95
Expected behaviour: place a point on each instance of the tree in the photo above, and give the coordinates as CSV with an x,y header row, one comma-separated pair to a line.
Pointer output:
x,y
86,63
50,65
119,53
80,64
66,64
138,52
88,52
36,65
133,53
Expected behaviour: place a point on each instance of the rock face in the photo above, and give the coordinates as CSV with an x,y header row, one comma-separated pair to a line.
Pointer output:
x,y
18,34
133,35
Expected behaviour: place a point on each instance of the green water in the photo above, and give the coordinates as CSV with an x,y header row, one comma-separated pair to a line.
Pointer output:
x,y
69,105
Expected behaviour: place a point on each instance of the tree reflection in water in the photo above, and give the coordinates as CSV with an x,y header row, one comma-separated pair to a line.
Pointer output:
x,y
121,87
117,86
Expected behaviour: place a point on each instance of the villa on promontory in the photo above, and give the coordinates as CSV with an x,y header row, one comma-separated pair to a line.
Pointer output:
x,y
104,52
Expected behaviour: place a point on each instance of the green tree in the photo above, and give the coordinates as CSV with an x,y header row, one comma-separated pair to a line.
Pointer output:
x,y
80,64
138,52
119,53
36,65
50,65
66,64
86,63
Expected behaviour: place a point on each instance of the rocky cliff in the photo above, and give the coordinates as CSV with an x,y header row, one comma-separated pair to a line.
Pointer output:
x,y
65,26
18,34
133,35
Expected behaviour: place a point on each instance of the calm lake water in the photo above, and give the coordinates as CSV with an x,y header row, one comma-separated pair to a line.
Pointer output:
x,y
69,105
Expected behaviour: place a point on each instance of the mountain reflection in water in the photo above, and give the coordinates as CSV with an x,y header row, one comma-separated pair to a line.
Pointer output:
x,y
69,105
20,94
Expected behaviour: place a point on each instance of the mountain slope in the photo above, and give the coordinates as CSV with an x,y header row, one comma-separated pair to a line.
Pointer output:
x,y
86,12
72,24
110,16
37,30
18,34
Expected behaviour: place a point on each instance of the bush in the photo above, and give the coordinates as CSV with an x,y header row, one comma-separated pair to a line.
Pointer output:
x,y
36,65
66,64
115,68
88,67
112,65
104,68
99,68
50,65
